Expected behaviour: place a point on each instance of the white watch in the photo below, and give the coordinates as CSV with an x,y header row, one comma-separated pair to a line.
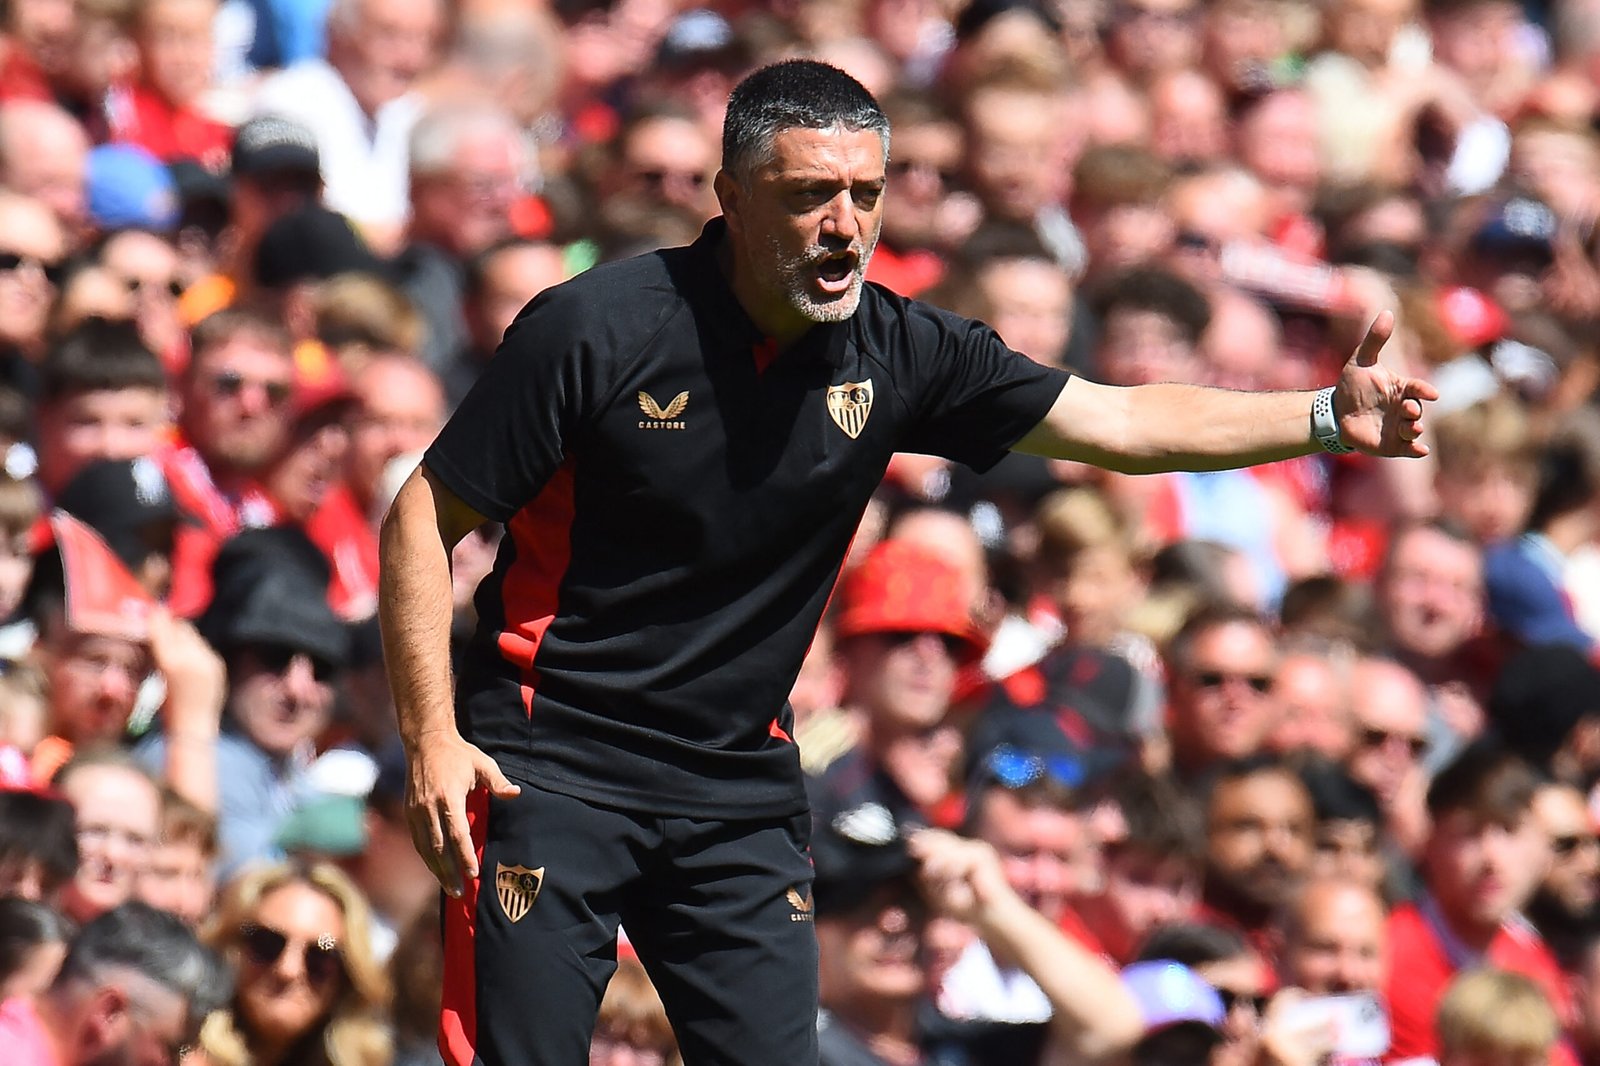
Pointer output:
x,y
1324,426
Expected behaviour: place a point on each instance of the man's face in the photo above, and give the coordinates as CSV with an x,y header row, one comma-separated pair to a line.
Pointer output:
x,y
178,879
467,207
47,160
1150,37
924,169
93,681
1139,347
1482,871
1338,941
149,266
668,161
390,45
134,1022
1222,706
1144,891
1431,593
399,409
32,247
118,817
1031,302
314,463
808,220
1574,851
510,279
1391,714
236,403
104,424
873,955
281,698
1015,157
175,43
1258,841
1047,853
1348,848
903,681
1314,707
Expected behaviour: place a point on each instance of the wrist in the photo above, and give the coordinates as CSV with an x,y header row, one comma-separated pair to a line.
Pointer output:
x,y
1325,422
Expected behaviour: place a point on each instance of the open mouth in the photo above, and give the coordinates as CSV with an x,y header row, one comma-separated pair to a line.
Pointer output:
x,y
836,272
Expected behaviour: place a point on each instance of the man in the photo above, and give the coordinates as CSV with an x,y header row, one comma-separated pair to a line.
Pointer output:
x,y
661,164
1564,903
118,810
1391,714
1220,703
134,988
44,154
1430,595
499,283
1482,862
680,493
1258,847
32,248
38,845
1334,940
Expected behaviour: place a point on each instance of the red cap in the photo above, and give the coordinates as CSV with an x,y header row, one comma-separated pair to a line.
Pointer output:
x,y
901,587
1471,317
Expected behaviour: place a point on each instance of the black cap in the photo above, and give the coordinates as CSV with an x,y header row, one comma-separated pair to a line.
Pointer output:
x,y
1015,746
271,587
124,500
311,243
271,144
1540,696
855,854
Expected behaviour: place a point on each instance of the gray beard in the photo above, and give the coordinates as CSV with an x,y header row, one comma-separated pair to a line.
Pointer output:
x,y
790,278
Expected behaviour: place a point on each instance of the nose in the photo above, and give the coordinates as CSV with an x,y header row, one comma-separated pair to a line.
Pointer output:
x,y
301,679
841,221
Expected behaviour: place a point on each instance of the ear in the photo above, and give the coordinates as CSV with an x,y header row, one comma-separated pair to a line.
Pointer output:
x,y
731,197
106,1019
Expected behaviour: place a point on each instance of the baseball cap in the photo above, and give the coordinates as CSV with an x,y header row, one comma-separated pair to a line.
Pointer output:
x,y
128,187
122,500
272,589
1169,993
698,38
902,587
273,144
1016,746
311,243
855,854
1519,225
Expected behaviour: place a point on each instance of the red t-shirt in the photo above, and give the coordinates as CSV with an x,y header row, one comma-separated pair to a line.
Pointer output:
x,y
142,116
1423,965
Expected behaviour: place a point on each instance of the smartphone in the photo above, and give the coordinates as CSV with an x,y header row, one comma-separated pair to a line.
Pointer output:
x,y
1360,1022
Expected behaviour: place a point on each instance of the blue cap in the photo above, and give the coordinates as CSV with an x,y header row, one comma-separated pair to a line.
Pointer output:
x,y
1169,993
128,187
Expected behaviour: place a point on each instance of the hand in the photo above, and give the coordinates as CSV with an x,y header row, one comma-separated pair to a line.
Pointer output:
x,y
961,878
1378,411
1288,1042
440,771
196,678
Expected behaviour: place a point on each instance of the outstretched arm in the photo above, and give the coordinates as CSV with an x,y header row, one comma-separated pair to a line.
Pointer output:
x,y
1147,429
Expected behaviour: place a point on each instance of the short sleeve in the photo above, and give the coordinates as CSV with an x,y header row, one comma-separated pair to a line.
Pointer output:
x,y
973,397
514,426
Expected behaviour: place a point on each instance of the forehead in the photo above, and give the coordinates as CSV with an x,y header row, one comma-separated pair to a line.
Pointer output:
x,y
836,153
1276,795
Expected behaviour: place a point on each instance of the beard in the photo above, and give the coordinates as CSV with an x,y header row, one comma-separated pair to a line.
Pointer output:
x,y
793,277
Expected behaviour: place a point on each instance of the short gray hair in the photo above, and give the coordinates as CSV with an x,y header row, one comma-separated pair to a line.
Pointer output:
x,y
794,94
436,138
138,938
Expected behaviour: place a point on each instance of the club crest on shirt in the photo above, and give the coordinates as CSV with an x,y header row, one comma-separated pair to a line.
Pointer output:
x,y
517,887
849,405
658,417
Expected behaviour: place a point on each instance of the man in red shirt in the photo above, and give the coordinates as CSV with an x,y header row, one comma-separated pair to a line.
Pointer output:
x,y
1481,863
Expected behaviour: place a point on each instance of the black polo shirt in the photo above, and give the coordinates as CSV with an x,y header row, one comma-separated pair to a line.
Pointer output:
x,y
677,505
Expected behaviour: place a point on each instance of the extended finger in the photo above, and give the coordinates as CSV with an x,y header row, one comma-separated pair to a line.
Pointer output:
x,y
1377,334
429,842
1417,389
462,853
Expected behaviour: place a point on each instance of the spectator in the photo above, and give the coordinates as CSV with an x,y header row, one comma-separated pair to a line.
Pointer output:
x,y
416,969
662,162
1241,978
33,943
1391,718
180,877
32,248
134,987
118,809
399,408
1496,1016
129,503
633,1025
38,846
308,988
1543,709
149,265
1488,469
44,155
1312,686
922,218
1430,595
1350,843
361,104
1258,847
1334,940
164,111
1220,704
1564,903
499,283
1481,864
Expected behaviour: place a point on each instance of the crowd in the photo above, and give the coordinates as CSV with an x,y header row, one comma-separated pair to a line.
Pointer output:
x,y
1241,768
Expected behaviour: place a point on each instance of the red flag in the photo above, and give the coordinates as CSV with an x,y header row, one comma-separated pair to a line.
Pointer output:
x,y
102,596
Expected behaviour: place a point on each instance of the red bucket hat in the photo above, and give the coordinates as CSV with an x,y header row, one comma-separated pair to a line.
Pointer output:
x,y
902,587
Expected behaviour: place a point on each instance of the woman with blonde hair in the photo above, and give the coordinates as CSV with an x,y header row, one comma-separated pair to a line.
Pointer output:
x,y
310,991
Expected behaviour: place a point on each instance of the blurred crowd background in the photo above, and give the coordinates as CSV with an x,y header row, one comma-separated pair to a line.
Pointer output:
x,y
1329,727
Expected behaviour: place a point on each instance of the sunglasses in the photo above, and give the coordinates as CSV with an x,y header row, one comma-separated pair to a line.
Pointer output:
x,y
171,287
277,658
1219,678
954,646
1232,998
1373,739
54,273
1566,845
264,946
1014,768
230,383
661,178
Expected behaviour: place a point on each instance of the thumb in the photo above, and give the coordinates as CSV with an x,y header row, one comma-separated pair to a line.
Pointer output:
x,y
489,775
1377,335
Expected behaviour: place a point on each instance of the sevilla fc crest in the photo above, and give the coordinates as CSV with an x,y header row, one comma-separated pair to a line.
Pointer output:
x,y
849,405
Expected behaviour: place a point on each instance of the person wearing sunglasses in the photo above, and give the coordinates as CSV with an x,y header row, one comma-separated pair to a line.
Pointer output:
x,y
133,990
1221,707
1565,900
1390,708
310,992
32,249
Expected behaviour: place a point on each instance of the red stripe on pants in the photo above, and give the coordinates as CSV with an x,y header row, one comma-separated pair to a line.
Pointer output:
x,y
458,1016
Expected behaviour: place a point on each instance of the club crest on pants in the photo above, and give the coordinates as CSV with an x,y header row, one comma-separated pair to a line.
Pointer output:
x,y
849,405
517,887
